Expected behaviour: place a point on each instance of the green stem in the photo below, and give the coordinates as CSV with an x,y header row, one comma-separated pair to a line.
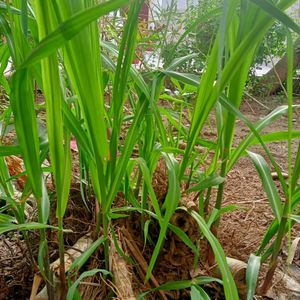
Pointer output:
x,y
221,186
215,225
48,272
105,224
62,271
206,201
46,261
276,249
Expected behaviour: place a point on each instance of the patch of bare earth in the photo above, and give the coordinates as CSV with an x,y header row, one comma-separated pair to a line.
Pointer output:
x,y
242,230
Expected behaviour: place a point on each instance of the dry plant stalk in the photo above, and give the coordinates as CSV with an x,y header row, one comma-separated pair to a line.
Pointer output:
x,y
138,257
122,275
71,254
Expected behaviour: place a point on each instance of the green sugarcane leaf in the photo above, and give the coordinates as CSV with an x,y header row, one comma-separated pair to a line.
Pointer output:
x,y
270,232
134,74
233,110
170,205
252,275
82,259
10,150
228,282
296,171
22,103
45,204
207,183
185,238
177,62
216,213
69,29
273,227
13,10
208,89
119,93
146,231
5,218
147,177
75,127
198,293
5,227
183,284
127,150
277,13
60,160
296,218
24,18
5,182
178,285
271,117
277,136
6,30
268,183
41,257
72,290
183,77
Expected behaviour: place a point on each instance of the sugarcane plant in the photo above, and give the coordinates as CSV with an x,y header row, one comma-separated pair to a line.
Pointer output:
x,y
54,46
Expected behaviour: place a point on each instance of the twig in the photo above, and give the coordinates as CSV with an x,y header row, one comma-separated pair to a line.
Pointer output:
x,y
135,252
258,102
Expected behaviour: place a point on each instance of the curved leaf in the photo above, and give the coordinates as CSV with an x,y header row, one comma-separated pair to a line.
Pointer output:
x,y
275,12
73,288
207,183
252,275
268,183
228,282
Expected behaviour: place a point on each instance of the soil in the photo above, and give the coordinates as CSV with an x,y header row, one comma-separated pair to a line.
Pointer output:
x,y
240,231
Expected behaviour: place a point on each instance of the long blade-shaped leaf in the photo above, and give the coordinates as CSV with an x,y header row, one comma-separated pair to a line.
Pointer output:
x,y
271,117
271,9
228,282
252,275
26,127
70,28
73,288
207,183
170,205
61,166
268,183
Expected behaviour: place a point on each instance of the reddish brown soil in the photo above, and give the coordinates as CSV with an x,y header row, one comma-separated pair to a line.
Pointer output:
x,y
242,230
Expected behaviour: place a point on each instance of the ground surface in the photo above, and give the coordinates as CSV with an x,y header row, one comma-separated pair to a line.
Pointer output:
x,y
240,231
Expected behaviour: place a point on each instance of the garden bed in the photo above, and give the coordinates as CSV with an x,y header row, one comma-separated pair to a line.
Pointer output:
x,y
240,231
